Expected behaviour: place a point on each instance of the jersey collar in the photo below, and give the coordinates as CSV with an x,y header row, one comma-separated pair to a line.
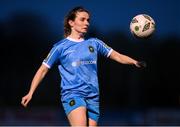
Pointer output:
x,y
71,39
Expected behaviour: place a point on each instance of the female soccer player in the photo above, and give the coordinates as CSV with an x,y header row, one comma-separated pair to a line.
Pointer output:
x,y
77,58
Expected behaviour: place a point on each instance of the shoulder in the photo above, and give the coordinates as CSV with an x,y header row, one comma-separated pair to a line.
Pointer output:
x,y
60,43
94,39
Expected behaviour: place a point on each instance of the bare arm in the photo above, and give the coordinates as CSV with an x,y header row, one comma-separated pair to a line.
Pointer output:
x,y
40,74
120,58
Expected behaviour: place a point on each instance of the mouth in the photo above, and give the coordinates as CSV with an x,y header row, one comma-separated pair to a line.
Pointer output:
x,y
85,28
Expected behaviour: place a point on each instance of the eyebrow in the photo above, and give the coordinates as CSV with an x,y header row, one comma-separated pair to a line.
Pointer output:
x,y
84,18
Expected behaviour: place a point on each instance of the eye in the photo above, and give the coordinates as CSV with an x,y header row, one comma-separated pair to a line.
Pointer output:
x,y
82,19
88,20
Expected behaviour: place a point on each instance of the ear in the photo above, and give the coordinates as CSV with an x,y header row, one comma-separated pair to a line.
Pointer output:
x,y
71,23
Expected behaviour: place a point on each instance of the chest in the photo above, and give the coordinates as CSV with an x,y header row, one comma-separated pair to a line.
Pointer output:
x,y
80,51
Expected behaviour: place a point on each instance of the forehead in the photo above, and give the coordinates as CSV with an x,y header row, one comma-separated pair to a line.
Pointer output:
x,y
82,15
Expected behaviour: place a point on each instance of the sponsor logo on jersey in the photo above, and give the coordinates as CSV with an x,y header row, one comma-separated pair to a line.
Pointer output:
x,y
78,63
91,49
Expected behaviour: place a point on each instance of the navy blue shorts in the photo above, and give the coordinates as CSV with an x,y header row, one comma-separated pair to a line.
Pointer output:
x,y
91,106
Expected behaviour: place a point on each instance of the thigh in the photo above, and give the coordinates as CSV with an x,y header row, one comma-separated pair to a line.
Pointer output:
x,y
76,111
92,122
78,117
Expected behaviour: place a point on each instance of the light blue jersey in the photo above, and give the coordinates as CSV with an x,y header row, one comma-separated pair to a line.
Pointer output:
x,y
78,66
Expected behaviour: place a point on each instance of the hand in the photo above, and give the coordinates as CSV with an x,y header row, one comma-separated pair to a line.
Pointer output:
x,y
141,64
26,99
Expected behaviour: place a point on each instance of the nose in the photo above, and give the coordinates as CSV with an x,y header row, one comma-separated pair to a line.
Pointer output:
x,y
87,23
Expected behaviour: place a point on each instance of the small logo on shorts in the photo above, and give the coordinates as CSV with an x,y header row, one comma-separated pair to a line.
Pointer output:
x,y
72,102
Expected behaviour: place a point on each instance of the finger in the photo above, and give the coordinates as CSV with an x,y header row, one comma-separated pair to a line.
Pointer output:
x,y
24,102
141,64
27,101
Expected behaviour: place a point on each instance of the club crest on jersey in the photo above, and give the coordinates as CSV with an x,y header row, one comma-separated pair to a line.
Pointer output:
x,y
91,49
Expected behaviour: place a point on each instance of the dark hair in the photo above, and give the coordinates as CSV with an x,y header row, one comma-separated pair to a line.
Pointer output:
x,y
71,16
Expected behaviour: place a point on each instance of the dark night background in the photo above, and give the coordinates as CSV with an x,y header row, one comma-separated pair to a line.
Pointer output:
x,y
129,96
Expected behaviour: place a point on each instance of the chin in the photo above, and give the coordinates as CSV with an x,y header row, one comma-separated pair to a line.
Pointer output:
x,y
84,32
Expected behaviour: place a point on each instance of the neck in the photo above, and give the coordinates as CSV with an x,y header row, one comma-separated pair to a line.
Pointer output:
x,y
76,36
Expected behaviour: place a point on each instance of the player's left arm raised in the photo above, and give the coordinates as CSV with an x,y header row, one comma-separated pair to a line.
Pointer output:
x,y
124,59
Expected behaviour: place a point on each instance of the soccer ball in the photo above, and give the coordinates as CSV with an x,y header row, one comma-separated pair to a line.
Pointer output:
x,y
142,26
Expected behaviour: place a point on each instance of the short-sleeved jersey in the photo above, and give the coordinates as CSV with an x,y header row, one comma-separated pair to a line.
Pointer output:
x,y
77,64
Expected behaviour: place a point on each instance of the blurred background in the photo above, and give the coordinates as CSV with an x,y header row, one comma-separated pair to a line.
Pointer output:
x,y
129,96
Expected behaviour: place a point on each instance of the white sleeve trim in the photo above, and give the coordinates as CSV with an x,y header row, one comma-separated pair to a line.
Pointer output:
x,y
46,65
109,53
